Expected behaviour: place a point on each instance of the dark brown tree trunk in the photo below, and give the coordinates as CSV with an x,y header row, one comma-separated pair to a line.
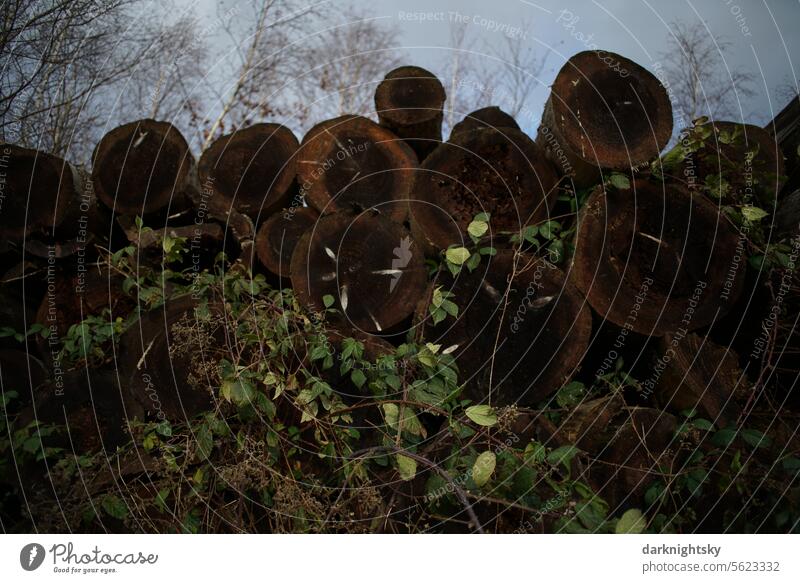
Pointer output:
x,y
251,170
38,191
409,102
514,342
499,172
352,164
700,375
141,167
168,361
369,264
604,112
278,236
656,260
487,117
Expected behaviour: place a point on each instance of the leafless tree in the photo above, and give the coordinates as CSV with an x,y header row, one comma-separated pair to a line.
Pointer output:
x,y
347,60
700,82
63,62
469,81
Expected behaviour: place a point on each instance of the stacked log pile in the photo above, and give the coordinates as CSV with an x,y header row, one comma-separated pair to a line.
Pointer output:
x,y
354,210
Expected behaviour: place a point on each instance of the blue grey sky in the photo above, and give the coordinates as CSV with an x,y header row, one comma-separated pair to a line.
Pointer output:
x,y
762,35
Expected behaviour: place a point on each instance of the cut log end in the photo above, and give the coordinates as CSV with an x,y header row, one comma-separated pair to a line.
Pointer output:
x,y
515,343
409,102
352,164
605,111
38,191
139,167
279,235
499,172
252,170
345,255
656,259
488,117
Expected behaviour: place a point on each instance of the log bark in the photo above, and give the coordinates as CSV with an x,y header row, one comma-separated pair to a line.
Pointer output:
x,y
487,117
91,404
633,451
499,172
604,112
700,375
164,361
520,333
278,236
374,348
141,167
746,157
352,164
655,260
251,170
39,189
409,102
72,297
22,373
370,265
86,224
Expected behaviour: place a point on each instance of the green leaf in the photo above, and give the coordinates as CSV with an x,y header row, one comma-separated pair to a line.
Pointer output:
x,y
114,507
535,453
562,455
483,468
753,213
620,181
358,377
406,466
328,300
482,415
570,395
450,308
632,522
724,437
437,297
239,392
755,438
391,413
164,428
205,443
477,229
457,255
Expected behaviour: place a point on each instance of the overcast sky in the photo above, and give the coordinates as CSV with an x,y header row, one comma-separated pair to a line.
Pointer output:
x,y
763,35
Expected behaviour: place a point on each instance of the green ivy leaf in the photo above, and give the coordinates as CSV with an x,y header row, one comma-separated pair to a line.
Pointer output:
x,y
114,507
239,392
205,442
562,455
620,181
482,415
406,466
328,300
753,213
358,377
457,255
483,468
632,522
477,229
